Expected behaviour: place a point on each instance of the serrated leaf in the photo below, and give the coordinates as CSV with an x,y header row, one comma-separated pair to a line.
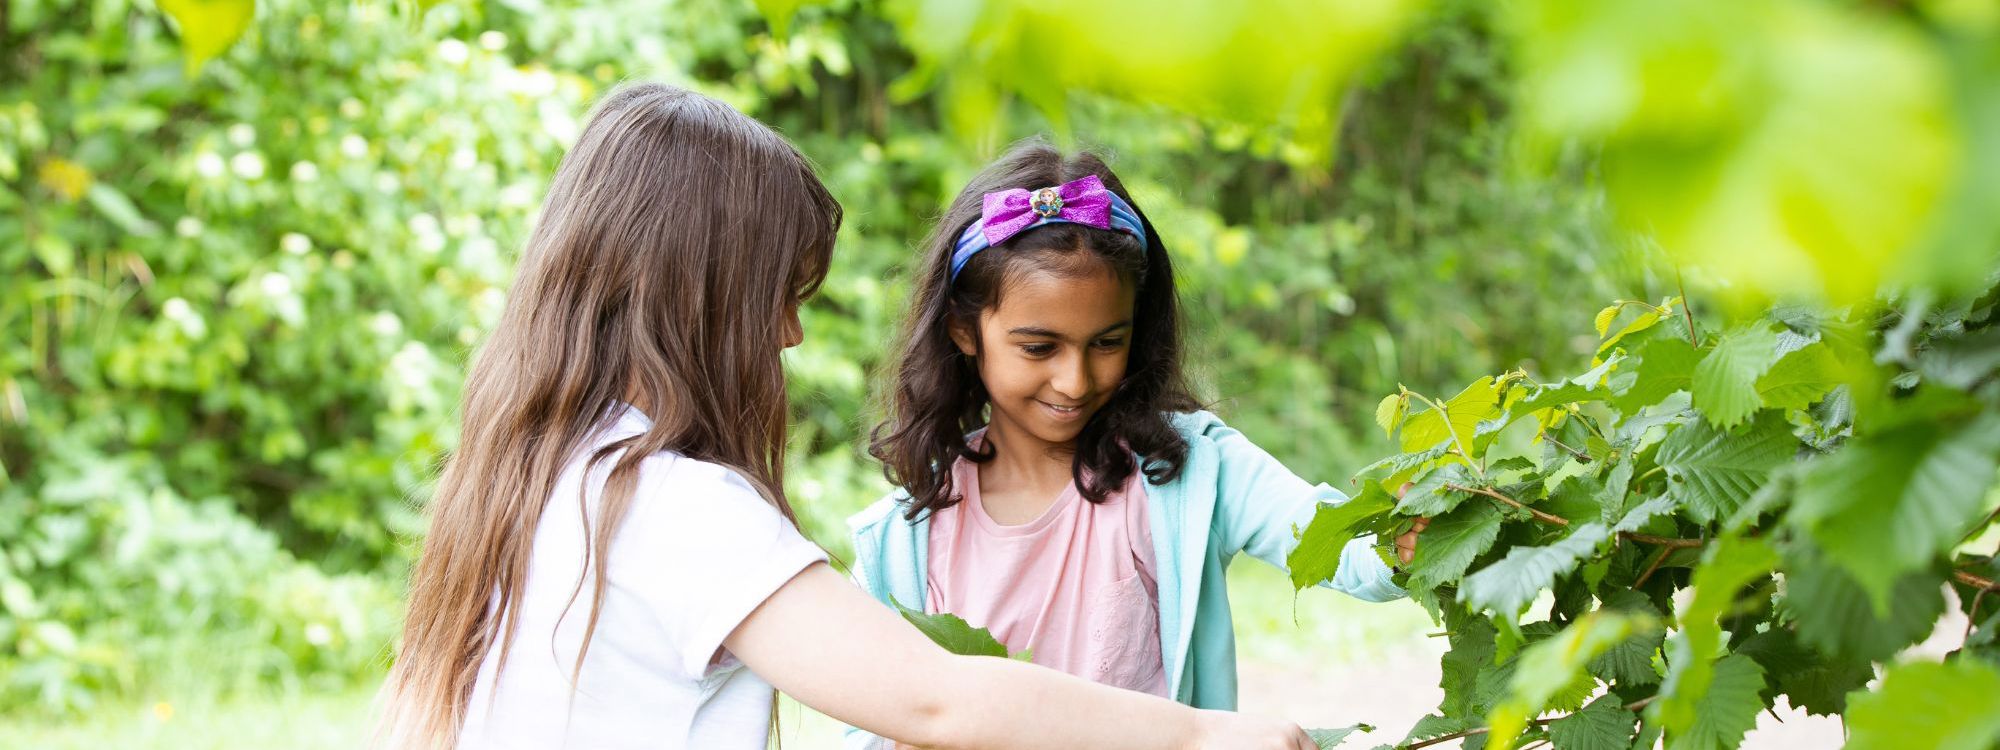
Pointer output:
x,y
1604,318
1725,382
1665,365
1726,710
1510,584
1473,646
1811,680
1388,469
1836,616
1449,545
1434,726
1711,472
1927,705
1326,738
1427,495
1890,503
1317,557
1726,566
1800,378
1645,320
1389,413
954,633
1602,725
1547,667
208,27
1479,401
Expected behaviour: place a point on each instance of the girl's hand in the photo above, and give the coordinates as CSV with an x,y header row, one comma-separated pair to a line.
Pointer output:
x,y
1406,545
1228,730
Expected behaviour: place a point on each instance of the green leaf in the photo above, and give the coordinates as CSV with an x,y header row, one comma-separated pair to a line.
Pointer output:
x,y
954,634
1836,616
1479,401
1711,472
119,209
1326,738
1427,495
1604,318
1510,584
1800,378
1602,725
1389,413
1726,710
1726,566
1812,681
1927,705
1317,557
1387,469
1890,503
1725,382
1448,546
1549,666
1666,365
208,27
1473,646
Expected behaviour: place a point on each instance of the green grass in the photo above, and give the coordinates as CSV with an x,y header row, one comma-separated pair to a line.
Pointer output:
x,y
302,721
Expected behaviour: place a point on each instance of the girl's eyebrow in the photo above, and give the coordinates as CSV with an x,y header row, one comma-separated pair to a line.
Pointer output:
x,y
1040,331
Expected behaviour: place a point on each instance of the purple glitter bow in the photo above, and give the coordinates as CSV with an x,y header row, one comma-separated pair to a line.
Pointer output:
x,y
1081,201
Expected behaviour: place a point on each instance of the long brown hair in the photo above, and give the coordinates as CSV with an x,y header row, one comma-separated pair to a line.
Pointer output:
x,y
675,238
936,396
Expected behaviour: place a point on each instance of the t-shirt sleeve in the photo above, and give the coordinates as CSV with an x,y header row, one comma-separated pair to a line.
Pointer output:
x,y
701,548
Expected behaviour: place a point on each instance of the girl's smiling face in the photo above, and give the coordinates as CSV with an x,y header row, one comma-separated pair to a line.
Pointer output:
x,y
1051,353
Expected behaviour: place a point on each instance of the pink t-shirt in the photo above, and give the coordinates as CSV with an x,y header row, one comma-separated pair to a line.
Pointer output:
x,y
1075,585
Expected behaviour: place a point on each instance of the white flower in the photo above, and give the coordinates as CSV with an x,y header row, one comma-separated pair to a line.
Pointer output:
x,y
188,226
295,243
182,314
209,164
453,51
175,309
319,634
242,135
275,284
385,324
248,165
305,171
492,41
353,146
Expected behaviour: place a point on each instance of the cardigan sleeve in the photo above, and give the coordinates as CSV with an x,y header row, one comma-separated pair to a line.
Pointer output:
x,y
1261,504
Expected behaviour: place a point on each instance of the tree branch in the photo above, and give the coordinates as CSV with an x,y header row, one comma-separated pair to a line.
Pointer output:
x,y
1633,706
1544,517
1968,578
1664,541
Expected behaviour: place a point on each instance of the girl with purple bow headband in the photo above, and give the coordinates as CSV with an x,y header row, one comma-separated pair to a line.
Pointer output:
x,y
1057,481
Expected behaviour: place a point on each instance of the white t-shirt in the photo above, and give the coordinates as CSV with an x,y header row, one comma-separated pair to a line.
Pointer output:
x,y
698,550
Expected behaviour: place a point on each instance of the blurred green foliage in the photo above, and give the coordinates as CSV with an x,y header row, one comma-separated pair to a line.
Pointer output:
x,y
239,292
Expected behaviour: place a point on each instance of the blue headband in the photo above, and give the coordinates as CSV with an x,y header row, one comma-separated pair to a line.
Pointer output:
x,y
1007,213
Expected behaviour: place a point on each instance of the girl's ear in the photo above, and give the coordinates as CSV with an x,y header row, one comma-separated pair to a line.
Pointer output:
x,y
963,335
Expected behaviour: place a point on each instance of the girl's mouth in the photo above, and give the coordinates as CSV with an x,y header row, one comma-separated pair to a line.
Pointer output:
x,y
1062,413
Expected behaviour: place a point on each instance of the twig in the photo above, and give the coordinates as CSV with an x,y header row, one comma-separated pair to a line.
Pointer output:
x,y
1968,578
1653,566
1972,616
1633,706
1445,414
1664,541
1685,307
1581,457
1539,515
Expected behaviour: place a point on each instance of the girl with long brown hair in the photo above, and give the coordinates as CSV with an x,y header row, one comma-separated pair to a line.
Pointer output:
x,y
1057,482
612,561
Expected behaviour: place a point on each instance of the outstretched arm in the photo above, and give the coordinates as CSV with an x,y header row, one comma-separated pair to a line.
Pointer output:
x,y
824,642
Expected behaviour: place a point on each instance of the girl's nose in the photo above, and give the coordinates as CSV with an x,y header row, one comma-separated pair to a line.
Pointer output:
x,y
1072,378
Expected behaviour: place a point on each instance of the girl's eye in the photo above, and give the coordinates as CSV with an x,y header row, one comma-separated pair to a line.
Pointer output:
x,y
1038,350
1110,343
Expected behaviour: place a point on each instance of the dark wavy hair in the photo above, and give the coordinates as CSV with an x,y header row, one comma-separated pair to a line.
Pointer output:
x,y
937,398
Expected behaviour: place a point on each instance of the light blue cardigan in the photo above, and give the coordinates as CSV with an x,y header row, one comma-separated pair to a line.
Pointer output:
x,y
1230,497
